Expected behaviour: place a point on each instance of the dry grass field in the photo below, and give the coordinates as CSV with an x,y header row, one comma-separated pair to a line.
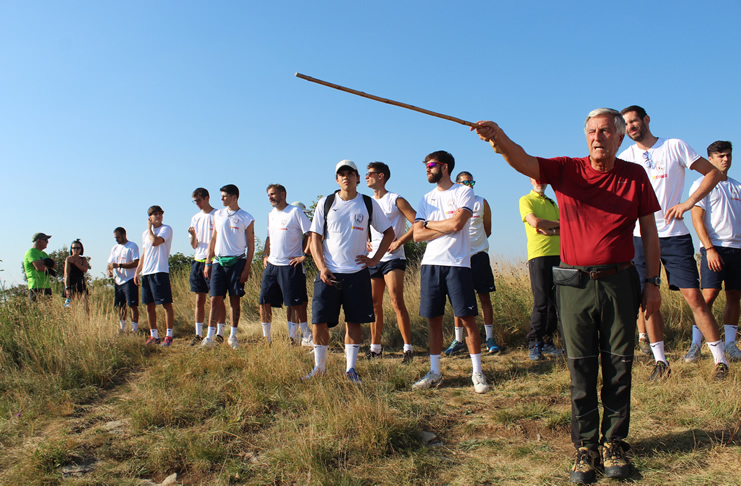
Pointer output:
x,y
81,405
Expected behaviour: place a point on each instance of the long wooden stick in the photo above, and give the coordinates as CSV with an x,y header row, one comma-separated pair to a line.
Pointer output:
x,y
385,100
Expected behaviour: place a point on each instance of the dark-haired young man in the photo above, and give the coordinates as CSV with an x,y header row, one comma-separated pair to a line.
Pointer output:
x,y
390,270
200,230
443,216
233,246
665,161
717,220
122,263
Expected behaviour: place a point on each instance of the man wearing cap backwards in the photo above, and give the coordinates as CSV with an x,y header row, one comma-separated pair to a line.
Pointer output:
x,y
338,246
153,274
442,221
37,263
599,294
284,280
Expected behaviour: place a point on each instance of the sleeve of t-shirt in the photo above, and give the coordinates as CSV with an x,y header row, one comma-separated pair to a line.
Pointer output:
x,y
317,224
379,221
192,223
467,199
303,221
686,154
421,210
551,171
134,251
166,233
648,202
526,207
110,257
248,220
702,203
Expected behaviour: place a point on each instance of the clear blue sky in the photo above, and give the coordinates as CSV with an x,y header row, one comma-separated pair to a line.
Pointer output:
x,y
110,107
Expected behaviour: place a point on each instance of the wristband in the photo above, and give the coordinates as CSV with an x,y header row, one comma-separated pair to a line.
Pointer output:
x,y
209,264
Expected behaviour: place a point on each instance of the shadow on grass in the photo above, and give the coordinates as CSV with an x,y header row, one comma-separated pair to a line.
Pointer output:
x,y
686,441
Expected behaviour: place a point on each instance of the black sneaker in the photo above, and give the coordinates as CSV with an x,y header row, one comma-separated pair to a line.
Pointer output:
x,y
614,460
721,372
196,340
584,471
372,355
408,357
219,339
661,371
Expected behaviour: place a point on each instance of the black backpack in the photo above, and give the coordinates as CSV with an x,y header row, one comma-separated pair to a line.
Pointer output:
x,y
328,205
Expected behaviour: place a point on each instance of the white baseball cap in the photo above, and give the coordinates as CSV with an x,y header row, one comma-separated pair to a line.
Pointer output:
x,y
345,163
299,205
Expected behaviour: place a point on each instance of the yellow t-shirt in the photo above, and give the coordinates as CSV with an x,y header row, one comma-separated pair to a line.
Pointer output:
x,y
544,208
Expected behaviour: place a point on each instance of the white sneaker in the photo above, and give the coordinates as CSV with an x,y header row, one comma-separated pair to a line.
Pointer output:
x,y
233,342
208,343
307,341
479,383
430,379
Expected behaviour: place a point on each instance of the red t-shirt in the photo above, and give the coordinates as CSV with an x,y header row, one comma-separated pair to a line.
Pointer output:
x,y
598,210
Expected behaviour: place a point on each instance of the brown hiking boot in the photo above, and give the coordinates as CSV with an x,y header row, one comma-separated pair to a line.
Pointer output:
x,y
661,372
584,471
721,372
613,459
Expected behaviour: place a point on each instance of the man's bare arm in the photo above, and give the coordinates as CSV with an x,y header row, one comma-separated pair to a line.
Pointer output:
x,y
487,218
651,300
715,261
711,179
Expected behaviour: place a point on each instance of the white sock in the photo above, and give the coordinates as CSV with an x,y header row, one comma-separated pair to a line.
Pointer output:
x,y
718,351
123,326
376,348
320,356
731,333
642,336
266,331
657,349
408,347
220,328
170,333
476,362
489,328
211,332
305,329
696,335
233,332
154,333
351,355
435,363
292,327
199,328
134,326
459,334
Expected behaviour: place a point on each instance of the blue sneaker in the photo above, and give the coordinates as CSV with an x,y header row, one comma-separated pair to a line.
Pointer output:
x,y
454,348
549,349
491,345
694,354
315,373
536,353
353,376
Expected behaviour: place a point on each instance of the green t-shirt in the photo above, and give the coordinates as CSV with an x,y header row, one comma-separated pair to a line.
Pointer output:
x,y
36,279
542,207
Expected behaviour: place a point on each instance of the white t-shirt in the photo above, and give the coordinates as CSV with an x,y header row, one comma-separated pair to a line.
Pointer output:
x,y
479,241
347,231
452,250
156,257
398,221
204,226
231,227
126,253
286,231
722,212
665,167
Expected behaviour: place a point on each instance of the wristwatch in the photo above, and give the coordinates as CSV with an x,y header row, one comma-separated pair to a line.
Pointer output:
x,y
654,280
425,225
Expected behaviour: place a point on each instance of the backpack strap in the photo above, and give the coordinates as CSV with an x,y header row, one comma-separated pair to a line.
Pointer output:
x,y
369,207
327,206
329,201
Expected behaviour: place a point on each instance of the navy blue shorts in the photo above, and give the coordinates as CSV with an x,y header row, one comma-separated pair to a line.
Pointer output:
x,y
156,289
283,284
352,293
378,271
730,273
455,282
483,277
126,294
225,279
678,258
199,284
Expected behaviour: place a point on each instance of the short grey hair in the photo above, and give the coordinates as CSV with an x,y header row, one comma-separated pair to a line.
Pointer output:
x,y
617,119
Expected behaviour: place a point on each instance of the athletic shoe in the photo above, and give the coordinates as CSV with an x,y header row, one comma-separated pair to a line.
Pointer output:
x,y
196,339
584,471
372,355
430,379
479,383
491,345
732,351
167,341
644,347
307,341
408,357
693,354
233,342
454,348
153,340
613,459
661,371
549,349
219,339
535,353
315,373
721,372
352,375
208,343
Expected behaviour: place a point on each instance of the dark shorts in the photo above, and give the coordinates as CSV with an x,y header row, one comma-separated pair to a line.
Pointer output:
x,y
678,258
378,271
455,282
283,284
353,295
730,273
126,294
483,278
33,294
198,283
225,279
156,289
